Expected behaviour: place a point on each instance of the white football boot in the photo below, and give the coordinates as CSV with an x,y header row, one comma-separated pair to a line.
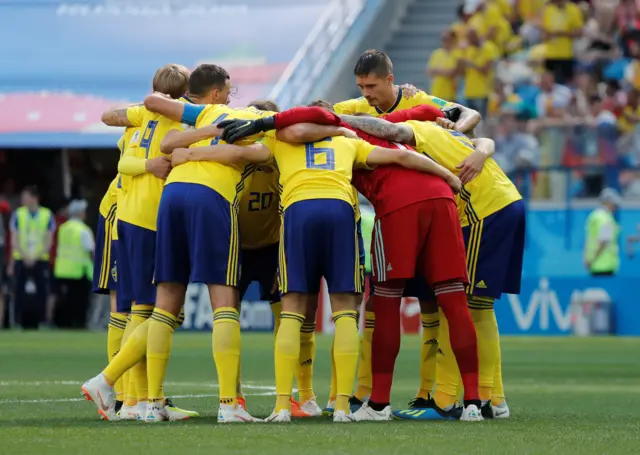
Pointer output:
x,y
343,417
311,407
284,416
367,414
156,412
142,407
228,413
103,396
471,413
501,411
128,412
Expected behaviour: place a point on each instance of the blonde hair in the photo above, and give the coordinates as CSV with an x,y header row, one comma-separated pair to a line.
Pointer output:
x,y
171,80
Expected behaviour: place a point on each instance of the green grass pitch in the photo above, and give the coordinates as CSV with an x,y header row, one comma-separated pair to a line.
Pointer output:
x,y
567,396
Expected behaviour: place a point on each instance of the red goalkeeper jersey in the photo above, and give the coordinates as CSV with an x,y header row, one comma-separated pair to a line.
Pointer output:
x,y
388,188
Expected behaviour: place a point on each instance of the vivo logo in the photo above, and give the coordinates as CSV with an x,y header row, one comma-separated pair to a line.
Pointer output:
x,y
543,302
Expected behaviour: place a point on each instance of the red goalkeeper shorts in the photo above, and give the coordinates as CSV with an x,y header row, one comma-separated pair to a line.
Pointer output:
x,y
424,238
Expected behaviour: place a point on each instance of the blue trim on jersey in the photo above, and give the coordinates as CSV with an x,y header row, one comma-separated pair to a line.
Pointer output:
x,y
191,113
188,99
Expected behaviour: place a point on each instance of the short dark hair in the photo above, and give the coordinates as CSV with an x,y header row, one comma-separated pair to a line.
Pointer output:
x,y
207,77
323,104
32,190
265,105
373,61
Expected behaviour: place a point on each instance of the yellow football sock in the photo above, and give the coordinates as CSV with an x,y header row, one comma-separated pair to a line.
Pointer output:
x,y
139,314
226,351
334,385
484,319
276,309
133,349
429,350
497,396
447,372
286,356
364,366
115,331
346,346
304,372
161,327
129,393
180,319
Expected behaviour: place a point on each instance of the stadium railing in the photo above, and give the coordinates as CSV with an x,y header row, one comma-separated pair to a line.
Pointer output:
x,y
306,67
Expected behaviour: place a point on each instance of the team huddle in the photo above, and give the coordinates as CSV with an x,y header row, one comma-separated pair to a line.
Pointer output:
x,y
225,197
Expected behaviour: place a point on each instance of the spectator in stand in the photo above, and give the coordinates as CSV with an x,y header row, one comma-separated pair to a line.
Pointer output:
x,y
476,62
554,100
561,24
441,68
32,228
515,148
627,20
460,28
490,23
528,11
629,142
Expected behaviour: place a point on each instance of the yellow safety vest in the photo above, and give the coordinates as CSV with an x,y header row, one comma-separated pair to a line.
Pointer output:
x,y
32,232
72,261
609,258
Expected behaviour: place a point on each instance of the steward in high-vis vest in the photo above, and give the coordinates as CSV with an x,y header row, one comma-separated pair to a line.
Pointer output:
x,y
73,268
32,228
602,252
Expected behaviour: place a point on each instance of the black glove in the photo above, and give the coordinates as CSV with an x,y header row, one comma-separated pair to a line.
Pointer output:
x,y
452,113
234,130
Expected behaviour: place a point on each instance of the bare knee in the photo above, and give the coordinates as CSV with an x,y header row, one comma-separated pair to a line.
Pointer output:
x,y
295,302
223,296
344,301
113,302
170,297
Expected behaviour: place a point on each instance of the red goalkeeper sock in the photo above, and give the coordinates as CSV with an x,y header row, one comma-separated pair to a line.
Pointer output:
x,y
385,344
462,333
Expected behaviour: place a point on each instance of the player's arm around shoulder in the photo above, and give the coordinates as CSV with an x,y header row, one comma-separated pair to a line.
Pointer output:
x,y
409,159
227,154
310,132
125,116
395,132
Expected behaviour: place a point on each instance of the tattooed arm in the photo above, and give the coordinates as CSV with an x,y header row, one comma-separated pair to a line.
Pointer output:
x,y
395,132
116,117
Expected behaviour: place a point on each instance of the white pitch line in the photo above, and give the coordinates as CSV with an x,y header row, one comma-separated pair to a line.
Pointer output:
x,y
70,400
169,383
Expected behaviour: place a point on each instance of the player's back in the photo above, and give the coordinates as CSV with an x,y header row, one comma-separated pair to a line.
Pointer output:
x,y
489,192
361,105
140,202
317,170
228,181
259,213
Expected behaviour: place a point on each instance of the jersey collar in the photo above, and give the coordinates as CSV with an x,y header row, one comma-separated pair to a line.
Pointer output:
x,y
188,99
392,108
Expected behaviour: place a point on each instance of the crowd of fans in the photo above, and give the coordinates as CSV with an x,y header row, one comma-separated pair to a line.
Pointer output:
x,y
558,82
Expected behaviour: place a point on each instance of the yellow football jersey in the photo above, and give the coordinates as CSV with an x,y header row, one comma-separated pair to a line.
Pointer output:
x,y
139,205
489,192
442,86
556,19
115,190
317,170
361,105
260,210
228,181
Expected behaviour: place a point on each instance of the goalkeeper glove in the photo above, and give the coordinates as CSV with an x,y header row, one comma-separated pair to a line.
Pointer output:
x,y
452,113
234,130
